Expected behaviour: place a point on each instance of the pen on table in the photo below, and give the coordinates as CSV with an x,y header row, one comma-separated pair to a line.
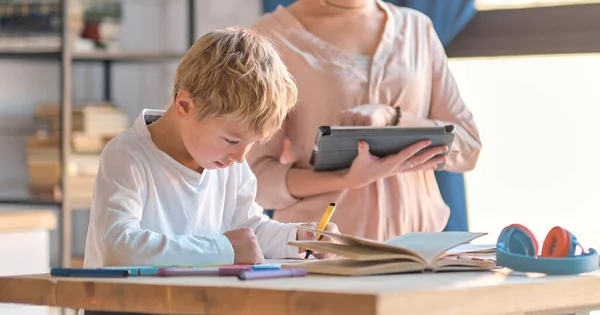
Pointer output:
x,y
221,270
322,225
270,274
136,271
206,271
96,273
266,267
199,265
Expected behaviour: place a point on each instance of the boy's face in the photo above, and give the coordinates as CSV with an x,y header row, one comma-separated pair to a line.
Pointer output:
x,y
214,143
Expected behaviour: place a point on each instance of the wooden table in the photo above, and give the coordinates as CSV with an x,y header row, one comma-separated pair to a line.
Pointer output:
x,y
465,293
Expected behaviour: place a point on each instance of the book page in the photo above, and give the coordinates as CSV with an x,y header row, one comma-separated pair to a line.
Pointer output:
x,y
472,249
427,246
464,263
364,242
432,245
360,253
349,267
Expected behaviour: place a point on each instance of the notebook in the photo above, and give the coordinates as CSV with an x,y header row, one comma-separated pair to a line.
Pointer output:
x,y
412,252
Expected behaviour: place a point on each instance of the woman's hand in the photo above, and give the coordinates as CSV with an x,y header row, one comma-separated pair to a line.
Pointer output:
x,y
367,168
368,115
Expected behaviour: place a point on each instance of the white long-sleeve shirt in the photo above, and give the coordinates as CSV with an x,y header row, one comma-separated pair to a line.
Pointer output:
x,y
148,209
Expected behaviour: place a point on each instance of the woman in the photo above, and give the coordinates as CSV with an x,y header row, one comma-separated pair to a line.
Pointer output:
x,y
355,62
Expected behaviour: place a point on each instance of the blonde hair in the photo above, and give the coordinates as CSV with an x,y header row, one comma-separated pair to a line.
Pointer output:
x,y
236,73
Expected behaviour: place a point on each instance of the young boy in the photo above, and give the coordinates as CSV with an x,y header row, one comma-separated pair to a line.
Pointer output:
x,y
175,188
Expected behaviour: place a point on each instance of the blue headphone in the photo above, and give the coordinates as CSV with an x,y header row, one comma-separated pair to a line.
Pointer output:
x,y
517,249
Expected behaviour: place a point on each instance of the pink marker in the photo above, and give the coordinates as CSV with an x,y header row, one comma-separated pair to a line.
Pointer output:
x,y
270,274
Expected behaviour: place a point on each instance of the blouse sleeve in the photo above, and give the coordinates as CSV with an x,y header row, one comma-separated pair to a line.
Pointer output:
x,y
448,107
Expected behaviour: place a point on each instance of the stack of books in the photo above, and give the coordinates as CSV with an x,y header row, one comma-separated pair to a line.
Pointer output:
x,y
30,25
93,125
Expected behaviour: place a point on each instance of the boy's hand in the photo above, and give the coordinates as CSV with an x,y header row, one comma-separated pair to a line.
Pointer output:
x,y
245,246
302,235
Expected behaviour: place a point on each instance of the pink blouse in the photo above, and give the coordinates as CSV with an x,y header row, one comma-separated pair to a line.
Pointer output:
x,y
409,69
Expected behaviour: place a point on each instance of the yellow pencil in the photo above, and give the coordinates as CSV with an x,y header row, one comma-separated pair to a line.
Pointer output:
x,y
323,225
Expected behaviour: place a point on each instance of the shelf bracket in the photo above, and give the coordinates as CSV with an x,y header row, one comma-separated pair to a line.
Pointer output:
x,y
107,78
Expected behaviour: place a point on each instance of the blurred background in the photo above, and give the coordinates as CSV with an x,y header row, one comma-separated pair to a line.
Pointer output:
x,y
528,69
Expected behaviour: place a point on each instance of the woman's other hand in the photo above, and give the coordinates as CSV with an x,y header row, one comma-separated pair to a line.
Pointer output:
x,y
367,168
368,115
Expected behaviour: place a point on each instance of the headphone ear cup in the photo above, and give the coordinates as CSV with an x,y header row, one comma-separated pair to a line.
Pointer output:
x,y
574,244
558,243
519,239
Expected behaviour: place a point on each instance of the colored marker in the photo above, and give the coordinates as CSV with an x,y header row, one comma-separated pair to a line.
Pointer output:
x,y
198,265
84,273
270,274
206,271
266,267
148,271
136,271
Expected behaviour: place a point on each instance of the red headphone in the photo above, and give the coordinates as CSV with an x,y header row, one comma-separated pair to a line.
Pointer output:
x,y
558,242
518,249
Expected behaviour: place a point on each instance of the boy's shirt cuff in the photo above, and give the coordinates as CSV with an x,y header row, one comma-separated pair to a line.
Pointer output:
x,y
226,252
292,251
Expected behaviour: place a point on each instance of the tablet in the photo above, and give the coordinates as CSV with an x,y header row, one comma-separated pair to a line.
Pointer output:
x,y
336,146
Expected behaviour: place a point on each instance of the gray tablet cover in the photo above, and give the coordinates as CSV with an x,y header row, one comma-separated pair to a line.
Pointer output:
x,y
336,146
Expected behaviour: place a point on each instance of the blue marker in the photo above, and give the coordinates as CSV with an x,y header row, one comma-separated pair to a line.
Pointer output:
x,y
266,267
85,273
136,271
148,271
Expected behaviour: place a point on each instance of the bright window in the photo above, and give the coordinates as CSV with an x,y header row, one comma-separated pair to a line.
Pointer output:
x,y
539,122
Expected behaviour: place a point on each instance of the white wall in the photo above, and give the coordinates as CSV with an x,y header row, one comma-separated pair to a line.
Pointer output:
x,y
149,25
538,118
24,252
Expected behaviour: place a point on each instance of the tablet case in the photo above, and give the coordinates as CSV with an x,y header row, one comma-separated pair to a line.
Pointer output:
x,y
336,146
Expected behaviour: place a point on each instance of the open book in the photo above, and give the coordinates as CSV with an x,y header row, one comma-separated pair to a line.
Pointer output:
x,y
412,252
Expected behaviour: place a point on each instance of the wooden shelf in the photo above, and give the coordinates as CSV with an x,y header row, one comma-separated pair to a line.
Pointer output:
x,y
29,201
124,56
25,199
19,219
75,205
30,54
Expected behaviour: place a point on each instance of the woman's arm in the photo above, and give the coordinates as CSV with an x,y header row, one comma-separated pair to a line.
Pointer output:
x,y
282,185
448,107
305,183
365,169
